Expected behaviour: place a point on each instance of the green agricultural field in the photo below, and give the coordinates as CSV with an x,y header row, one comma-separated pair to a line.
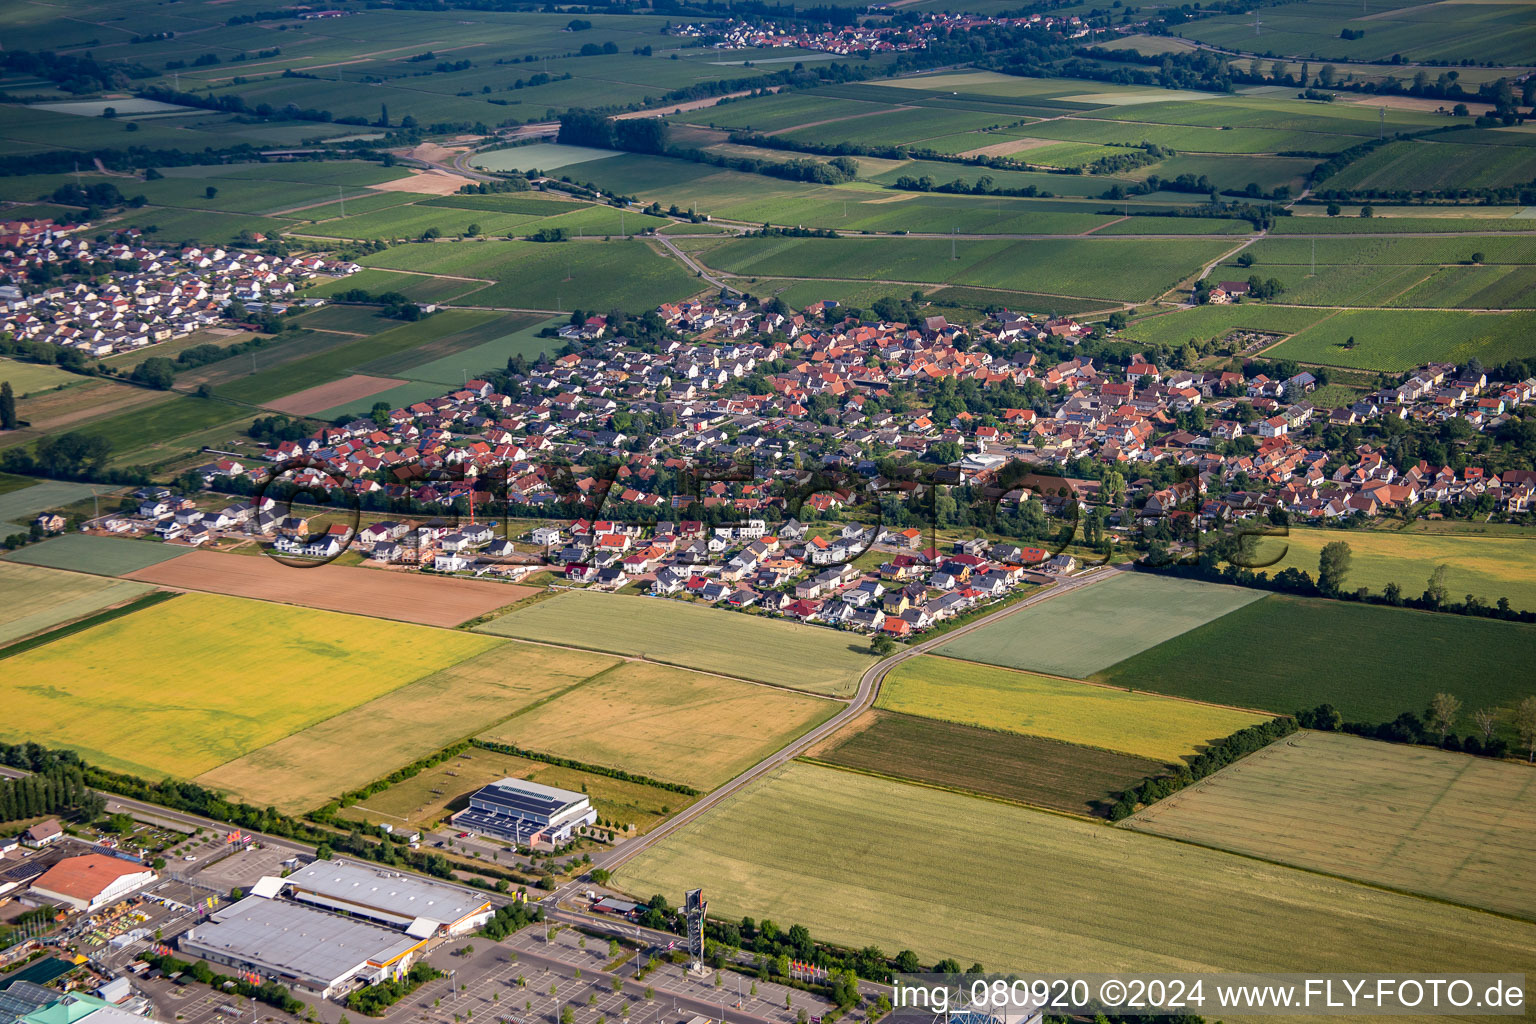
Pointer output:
x,y
416,287
172,227
516,334
631,718
19,505
1429,32
1397,340
142,435
1027,769
103,556
533,275
1388,220
38,599
1207,322
1374,664
1400,251
1450,826
30,378
1122,268
336,362
1160,902
347,319
673,632
529,204
126,693
1489,567
303,770
1082,631
1140,724
1473,288
1437,165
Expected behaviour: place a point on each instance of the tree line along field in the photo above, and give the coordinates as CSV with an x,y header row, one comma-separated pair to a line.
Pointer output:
x,y
130,693
1147,726
1370,662
1127,269
1069,896
1488,567
1083,631
1025,769
1446,825
666,723
430,796
38,599
303,770
746,646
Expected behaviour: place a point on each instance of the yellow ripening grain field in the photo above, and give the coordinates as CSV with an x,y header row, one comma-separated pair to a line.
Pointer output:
x,y
1451,826
667,723
305,769
195,681
1017,889
1145,724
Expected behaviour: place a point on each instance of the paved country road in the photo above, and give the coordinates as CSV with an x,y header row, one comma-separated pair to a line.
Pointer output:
x,y
869,689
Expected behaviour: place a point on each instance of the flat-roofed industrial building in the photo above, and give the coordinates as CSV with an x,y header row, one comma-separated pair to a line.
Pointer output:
x,y
418,906
526,812
300,946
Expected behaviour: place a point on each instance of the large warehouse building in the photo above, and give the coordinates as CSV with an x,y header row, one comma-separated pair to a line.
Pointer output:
x,y
418,906
299,946
91,882
526,812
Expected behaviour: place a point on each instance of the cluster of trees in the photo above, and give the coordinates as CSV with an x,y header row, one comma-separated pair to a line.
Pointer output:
x,y
61,789
396,305
77,75
1435,727
274,429
566,762
1258,288
1239,745
513,917
984,186
270,992
68,456
1141,155
1224,556
375,999
637,135
833,172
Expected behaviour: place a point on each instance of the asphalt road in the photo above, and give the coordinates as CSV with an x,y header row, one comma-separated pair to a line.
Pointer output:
x,y
869,688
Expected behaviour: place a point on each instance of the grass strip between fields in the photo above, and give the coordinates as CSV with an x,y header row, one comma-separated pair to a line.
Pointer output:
x,y
79,625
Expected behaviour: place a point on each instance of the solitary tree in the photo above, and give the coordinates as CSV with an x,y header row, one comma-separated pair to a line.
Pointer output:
x,y
882,645
7,407
1443,709
1435,594
210,192
1485,719
1333,567
1525,725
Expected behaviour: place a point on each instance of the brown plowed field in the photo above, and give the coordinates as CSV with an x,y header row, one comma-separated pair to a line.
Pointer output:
x,y
328,396
408,597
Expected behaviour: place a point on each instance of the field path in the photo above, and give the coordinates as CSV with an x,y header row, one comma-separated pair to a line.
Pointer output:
x,y
869,689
